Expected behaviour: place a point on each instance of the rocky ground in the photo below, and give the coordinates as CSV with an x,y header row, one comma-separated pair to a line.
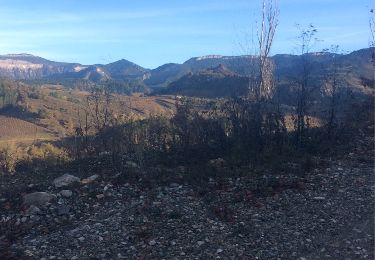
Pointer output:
x,y
326,213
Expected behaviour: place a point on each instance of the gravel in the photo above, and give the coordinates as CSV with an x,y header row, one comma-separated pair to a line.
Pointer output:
x,y
324,214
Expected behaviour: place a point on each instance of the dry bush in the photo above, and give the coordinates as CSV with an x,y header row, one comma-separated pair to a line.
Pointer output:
x,y
47,152
8,159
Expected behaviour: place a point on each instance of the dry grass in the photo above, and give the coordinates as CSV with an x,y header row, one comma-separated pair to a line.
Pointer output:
x,y
14,129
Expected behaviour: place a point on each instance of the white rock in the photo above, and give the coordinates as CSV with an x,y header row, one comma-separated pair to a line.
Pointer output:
x,y
107,187
90,179
100,196
131,164
65,180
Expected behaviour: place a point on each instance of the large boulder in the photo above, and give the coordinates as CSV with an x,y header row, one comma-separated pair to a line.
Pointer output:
x,y
65,180
37,199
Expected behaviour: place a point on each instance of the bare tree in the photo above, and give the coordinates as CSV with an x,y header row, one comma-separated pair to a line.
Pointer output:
x,y
372,40
249,117
99,105
331,90
260,66
266,33
306,41
372,28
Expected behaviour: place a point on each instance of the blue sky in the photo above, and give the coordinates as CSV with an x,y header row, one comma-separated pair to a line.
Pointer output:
x,y
151,33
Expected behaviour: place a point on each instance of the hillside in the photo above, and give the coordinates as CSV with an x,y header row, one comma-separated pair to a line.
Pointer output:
x,y
48,109
17,130
210,83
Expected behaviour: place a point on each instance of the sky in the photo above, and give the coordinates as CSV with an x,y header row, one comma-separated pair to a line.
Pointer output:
x,y
153,32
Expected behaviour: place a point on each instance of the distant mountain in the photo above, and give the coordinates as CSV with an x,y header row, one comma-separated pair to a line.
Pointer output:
x,y
125,69
355,68
26,66
122,76
176,78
